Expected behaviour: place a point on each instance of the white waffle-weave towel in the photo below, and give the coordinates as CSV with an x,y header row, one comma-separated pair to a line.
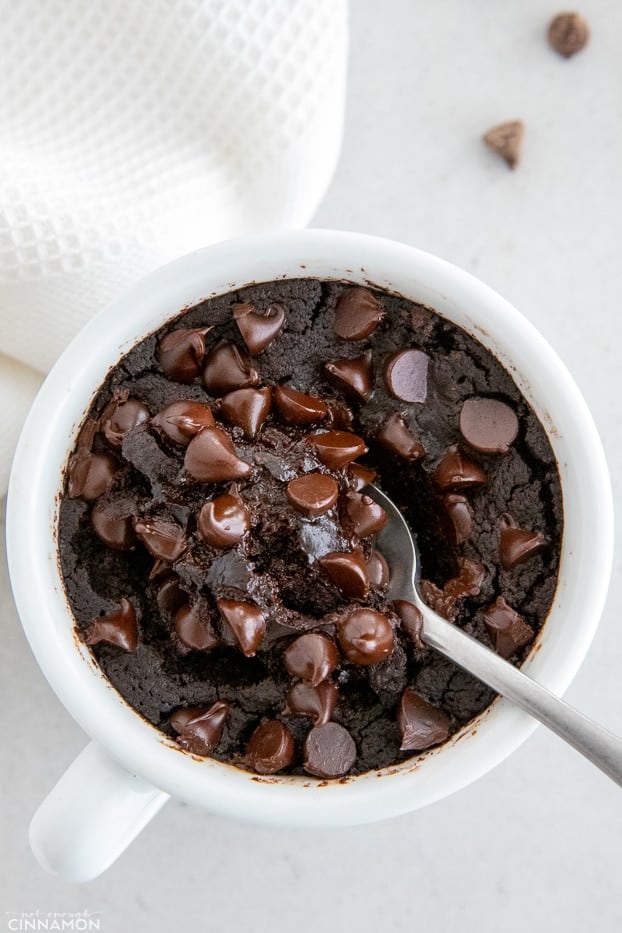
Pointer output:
x,y
132,131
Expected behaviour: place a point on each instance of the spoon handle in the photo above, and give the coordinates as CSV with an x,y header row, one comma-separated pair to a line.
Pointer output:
x,y
601,747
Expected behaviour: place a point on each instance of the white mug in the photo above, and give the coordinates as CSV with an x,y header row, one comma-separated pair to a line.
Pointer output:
x,y
127,773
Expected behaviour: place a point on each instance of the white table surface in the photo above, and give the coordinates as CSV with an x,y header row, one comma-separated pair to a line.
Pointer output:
x,y
537,844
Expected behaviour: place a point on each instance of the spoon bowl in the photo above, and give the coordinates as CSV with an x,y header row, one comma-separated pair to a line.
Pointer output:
x,y
398,545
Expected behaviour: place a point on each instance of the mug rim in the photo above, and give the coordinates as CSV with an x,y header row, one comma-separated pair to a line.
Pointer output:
x,y
60,407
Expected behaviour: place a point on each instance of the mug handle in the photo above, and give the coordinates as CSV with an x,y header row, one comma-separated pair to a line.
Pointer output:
x,y
91,816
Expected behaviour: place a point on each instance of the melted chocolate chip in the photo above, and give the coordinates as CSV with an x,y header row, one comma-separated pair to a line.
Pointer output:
x,y
446,605
227,368
297,407
247,409
348,571
270,748
378,570
90,475
460,514
199,728
312,494
357,314
170,596
518,545
412,620
194,626
406,375
329,751
162,538
113,523
118,628
121,415
507,629
258,329
568,33
181,421
211,458
181,353
421,724
354,376
506,140
311,658
365,636
247,623
468,581
455,471
397,438
318,703
366,515
337,449
361,475
223,521
488,425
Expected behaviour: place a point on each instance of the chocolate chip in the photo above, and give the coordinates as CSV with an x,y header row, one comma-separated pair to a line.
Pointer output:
x,y
517,545
329,751
441,602
361,475
366,515
507,629
226,368
488,425
170,596
455,471
270,748
200,728
348,571
211,458
506,140
223,521
194,626
460,514
337,448
312,658
568,33
354,376
312,494
357,314
378,570
406,375
247,409
113,523
247,623
181,353
90,475
318,703
365,636
412,620
297,407
120,416
258,329
162,538
341,415
397,438
181,421
118,628
468,581
421,724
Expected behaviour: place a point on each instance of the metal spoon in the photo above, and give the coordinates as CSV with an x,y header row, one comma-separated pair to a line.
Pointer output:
x,y
601,747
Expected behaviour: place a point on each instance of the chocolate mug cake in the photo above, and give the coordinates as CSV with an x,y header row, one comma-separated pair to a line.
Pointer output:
x,y
217,543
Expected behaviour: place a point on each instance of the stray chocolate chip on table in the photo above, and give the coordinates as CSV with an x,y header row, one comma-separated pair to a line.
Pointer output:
x,y
568,33
506,140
